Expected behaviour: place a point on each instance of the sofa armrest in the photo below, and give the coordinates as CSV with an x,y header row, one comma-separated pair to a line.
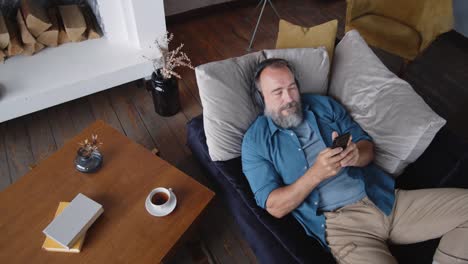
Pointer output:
x,y
443,164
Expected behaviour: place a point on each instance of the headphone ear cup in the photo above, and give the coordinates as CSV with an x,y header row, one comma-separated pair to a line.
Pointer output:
x,y
259,100
297,84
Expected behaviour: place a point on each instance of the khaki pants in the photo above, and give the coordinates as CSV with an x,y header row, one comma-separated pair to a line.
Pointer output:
x,y
359,232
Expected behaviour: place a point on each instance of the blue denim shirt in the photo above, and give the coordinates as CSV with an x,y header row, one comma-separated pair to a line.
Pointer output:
x,y
272,157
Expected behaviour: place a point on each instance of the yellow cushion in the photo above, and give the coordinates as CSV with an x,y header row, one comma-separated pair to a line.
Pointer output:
x,y
294,36
388,34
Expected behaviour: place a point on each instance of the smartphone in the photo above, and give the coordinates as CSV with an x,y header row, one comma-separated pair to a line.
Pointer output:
x,y
341,141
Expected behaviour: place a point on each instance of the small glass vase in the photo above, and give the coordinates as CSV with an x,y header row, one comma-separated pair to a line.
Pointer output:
x,y
165,94
88,164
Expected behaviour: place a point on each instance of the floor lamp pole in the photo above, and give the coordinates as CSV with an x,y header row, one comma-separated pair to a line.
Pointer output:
x,y
263,3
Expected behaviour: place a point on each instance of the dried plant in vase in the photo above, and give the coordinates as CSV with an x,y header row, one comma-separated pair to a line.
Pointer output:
x,y
164,88
87,147
169,60
88,158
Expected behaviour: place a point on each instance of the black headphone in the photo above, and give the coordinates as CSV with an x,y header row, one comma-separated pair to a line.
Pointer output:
x,y
255,91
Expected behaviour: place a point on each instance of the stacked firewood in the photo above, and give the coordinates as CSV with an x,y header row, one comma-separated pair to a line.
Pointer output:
x,y
35,27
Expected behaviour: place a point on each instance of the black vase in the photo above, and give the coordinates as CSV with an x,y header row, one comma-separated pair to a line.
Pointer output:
x,y
165,94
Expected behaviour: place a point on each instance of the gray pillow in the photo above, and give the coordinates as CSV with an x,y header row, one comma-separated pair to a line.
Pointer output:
x,y
385,106
228,108
311,67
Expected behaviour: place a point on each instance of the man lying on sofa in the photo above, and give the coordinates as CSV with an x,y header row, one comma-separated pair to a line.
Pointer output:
x,y
340,198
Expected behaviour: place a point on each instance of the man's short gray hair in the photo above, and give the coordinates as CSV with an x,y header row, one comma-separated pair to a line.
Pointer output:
x,y
274,63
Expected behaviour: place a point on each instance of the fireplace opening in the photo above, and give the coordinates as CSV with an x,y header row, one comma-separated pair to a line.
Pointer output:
x,y
29,26
76,69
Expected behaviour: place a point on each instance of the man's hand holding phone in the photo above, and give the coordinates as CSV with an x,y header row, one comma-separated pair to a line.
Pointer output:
x,y
327,163
350,154
343,153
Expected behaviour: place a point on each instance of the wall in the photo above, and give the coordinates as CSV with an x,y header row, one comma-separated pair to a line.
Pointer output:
x,y
460,12
173,7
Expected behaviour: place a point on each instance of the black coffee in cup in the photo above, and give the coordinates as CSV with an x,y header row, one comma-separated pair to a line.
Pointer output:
x,y
159,198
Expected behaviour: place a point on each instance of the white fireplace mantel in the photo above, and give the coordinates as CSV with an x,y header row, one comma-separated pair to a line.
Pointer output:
x,y
73,70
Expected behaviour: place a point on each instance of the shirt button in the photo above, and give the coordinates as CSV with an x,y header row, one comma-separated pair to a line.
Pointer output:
x,y
299,149
305,167
315,203
323,226
292,134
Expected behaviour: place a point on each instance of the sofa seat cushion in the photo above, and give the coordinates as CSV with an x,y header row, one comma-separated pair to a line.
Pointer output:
x,y
388,34
283,240
272,240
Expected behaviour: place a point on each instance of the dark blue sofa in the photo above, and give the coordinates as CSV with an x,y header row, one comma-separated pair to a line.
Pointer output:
x,y
443,164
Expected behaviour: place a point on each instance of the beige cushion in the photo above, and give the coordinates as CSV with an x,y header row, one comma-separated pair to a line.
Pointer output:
x,y
395,116
228,108
294,36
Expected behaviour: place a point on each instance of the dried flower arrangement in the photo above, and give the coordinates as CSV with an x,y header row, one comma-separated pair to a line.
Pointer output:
x,y
169,59
87,147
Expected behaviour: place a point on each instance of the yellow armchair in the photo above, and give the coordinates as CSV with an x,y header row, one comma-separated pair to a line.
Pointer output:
x,y
402,27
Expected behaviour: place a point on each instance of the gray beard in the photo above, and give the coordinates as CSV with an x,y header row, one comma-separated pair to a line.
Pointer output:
x,y
286,122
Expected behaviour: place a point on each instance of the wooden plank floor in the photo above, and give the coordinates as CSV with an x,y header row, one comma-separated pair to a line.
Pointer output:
x,y
440,76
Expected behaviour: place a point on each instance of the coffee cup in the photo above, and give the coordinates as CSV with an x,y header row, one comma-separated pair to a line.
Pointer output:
x,y
160,199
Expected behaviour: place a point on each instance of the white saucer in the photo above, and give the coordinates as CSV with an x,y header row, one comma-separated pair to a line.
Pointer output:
x,y
161,212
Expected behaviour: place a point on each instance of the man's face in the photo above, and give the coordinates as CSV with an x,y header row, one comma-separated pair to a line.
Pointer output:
x,y
281,96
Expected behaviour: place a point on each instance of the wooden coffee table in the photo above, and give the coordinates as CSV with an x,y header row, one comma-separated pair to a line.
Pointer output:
x,y
125,232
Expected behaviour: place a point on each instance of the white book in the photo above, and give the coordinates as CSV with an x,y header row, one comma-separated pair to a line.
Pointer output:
x,y
74,221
